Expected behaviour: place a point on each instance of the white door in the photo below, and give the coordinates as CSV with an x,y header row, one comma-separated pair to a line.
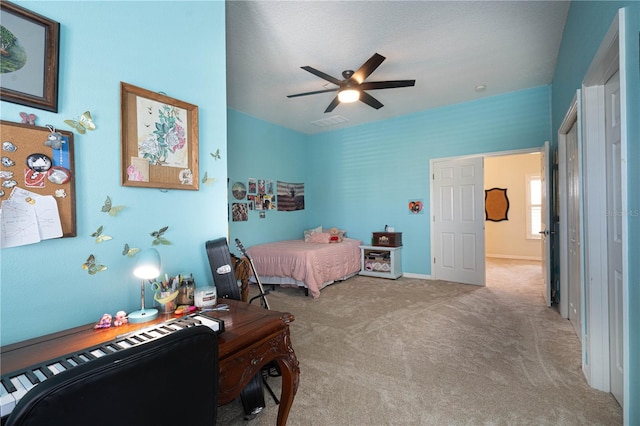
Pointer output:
x,y
458,220
573,232
545,218
614,232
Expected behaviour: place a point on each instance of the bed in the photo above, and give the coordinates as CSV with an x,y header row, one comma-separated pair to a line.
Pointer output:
x,y
306,264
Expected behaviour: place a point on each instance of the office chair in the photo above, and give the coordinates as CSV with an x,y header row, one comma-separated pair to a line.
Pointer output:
x,y
171,380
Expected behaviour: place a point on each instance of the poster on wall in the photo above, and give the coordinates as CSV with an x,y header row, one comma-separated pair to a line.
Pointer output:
x,y
253,185
269,202
290,196
239,212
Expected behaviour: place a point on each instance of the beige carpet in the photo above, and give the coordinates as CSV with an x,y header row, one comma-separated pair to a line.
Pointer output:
x,y
418,352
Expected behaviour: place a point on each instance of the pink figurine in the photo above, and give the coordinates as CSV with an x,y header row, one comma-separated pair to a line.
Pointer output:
x,y
121,318
105,322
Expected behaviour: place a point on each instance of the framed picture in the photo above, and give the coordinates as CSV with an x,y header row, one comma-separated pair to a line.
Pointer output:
x,y
28,58
496,204
159,140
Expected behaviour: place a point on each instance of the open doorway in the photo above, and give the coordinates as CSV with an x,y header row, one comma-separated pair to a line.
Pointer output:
x,y
458,252
513,246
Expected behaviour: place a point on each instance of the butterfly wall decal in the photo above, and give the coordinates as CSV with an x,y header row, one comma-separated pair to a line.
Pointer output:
x,y
91,266
159,237
129,251
28,118
108,208
207,180
216,155
99,236
83,123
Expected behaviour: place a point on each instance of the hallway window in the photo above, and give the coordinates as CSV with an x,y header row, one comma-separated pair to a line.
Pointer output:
x,y
534,206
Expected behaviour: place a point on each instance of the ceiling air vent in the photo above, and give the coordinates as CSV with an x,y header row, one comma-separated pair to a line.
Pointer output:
x,y
331,121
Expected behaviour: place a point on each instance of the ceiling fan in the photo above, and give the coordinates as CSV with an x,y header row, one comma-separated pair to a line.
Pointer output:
x,y
353,87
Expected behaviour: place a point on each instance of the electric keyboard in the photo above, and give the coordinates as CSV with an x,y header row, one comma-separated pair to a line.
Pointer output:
x,y
14,385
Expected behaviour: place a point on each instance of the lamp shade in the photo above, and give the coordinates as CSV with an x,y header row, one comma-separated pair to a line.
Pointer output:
x,y
148,266
348,95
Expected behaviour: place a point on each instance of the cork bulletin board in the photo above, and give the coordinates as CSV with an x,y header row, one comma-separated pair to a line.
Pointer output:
x,y
21,143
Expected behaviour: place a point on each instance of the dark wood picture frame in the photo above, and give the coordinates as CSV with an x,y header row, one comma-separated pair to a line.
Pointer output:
x,y
159,140
38,40
496,204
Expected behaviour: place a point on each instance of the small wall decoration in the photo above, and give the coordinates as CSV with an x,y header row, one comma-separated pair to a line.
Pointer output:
x,y
158,237
239,191
253,186
159,140
82,123
416,207
496,204
239,212
290,196
28,58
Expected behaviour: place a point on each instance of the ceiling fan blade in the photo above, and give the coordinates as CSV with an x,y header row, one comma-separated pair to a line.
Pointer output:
x,y
370,100
322,75
312,93
391,84
334,103
368,67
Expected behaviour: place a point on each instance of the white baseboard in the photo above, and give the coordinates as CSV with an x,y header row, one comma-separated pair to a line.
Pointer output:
x,y
509,256
418,276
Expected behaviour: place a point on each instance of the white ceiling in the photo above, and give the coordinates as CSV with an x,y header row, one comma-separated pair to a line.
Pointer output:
x,y
448,47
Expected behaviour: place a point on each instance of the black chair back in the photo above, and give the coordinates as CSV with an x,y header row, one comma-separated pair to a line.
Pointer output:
x,y
171,380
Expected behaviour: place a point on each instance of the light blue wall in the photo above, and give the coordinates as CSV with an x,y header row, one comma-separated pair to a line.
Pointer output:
x,y
173,47
262,150
362,178
587,24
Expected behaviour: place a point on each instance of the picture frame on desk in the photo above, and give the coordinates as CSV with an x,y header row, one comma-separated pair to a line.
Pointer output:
x,y
159,140
29,65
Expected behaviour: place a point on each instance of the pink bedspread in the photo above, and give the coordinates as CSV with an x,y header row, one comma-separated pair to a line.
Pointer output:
x,y
312,263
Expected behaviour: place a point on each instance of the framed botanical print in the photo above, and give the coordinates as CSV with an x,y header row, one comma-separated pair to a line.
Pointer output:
x,y
159,140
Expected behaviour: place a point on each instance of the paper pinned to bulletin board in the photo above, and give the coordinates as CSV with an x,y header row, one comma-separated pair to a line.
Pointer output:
x,y
35,173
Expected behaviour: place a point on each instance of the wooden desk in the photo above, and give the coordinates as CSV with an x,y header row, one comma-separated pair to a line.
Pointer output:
x,y
253,337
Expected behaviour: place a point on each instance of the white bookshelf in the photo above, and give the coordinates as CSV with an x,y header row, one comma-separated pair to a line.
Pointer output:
x,y
381,262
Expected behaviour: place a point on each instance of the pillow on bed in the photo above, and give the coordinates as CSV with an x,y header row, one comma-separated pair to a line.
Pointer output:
x,y
319,237
308,232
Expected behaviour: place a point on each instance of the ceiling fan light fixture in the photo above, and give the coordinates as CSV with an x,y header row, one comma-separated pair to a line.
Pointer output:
x,y
348,95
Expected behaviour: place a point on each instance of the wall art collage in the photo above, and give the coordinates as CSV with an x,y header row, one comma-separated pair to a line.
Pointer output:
x,y
261,195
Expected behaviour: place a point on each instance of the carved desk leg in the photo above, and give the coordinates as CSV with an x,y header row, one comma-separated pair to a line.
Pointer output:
x,y
290,369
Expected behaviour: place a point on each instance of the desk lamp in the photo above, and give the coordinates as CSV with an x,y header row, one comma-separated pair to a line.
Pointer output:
x,y
147,268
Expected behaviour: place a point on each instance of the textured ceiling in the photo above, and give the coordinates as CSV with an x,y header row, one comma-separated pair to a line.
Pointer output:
x,y
447,47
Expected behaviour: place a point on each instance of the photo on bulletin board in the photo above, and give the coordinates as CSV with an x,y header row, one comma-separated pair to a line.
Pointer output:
x,y
29,58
